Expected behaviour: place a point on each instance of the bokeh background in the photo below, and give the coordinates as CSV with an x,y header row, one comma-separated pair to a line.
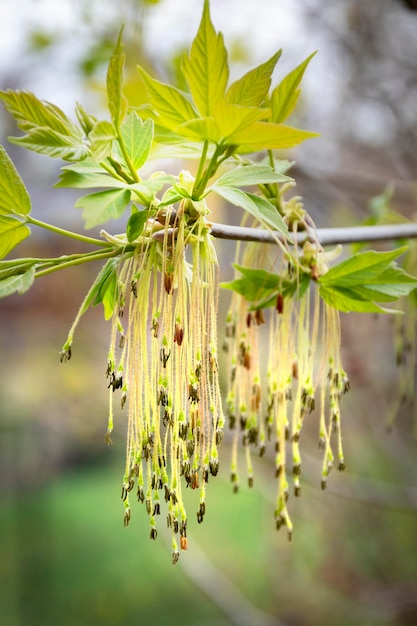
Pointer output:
x,y
65,556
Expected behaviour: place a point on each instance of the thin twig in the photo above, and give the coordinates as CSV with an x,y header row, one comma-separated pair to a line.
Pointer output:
x,y
326,236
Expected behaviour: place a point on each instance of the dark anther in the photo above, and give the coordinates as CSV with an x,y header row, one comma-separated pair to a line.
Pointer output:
x,y
126,518
193,395
232,421
65,355
219,436
183,430
190,447
130,485
169,520
175,525
259,317
278,471
148,506
185,467
156,509
124,493
243,420
249,320
154,534
280,304
250,481
323,483
197,371
123,399
175,557
199,517
202,508
194,480
214,466
178,334
107,439
159,483
262,449
153,481
174,498
205,474
341,467
167,494
134,288
164,356
296,469
155,328
140,494
163,397
168,280
297,491
183,528
122,340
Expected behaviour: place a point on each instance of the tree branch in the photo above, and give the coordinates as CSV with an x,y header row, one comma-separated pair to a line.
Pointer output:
x,y
326,236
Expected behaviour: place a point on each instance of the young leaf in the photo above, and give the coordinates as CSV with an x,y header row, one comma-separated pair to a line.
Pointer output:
x,y
136,223
53,144
250,175
49,130
255,284
117,101
205,68
110,295
79,180
12,232
253,87
268,136
101,138
19,283
360,269
137,137
285,96
259,207
14,198
103,206
233,117
348,301
171,104
357,283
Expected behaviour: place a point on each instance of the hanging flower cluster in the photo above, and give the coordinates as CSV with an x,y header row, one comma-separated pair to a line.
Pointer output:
x,y
270,395
163,360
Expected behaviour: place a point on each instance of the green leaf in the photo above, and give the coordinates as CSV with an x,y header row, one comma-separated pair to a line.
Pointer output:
x,y
12,232
13,267
348,301
205,68
103,206
110,295
201,129
77,180
285,96
253,87
101,138
231,118
136,223
117,101
357,283
268,136
53,144
14,198
171,104
250,175
360,269
49,130
20,283
137,137
255,284
260,208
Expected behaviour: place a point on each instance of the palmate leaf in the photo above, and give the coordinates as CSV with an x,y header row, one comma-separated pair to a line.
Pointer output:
x,y
48,129
171,104
102,206
364,279
251,175
14,198
259,207
205,68
268,136
19,283
137,136
285,96
12,232
101,139
253,87
117,101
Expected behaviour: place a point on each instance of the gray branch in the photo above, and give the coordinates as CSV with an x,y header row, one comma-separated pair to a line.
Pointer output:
x,y
326,236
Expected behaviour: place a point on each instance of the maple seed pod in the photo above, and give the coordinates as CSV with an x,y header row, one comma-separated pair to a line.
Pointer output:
x,y
280,304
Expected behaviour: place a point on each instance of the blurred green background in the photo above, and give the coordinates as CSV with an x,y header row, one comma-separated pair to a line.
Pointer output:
x,y
65,556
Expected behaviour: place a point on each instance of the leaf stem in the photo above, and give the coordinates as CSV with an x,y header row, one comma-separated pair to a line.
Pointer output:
x,y
78,259
201,184
67,233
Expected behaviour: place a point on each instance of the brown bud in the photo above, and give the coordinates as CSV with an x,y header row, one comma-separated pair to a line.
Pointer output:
x,y
280,303
183,543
